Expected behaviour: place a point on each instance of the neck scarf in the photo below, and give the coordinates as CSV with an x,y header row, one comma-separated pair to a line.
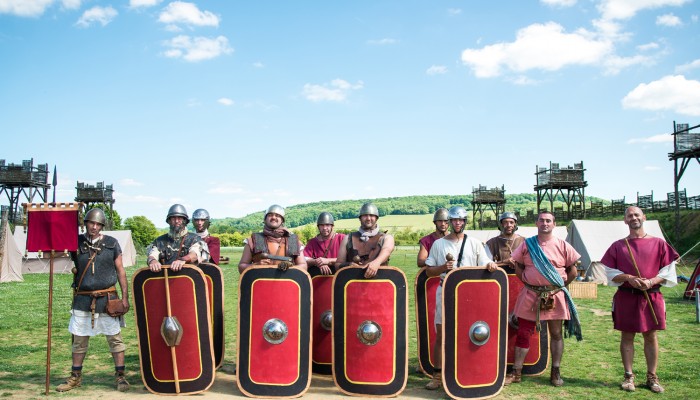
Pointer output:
x,y
275,235
572,326
203,234
365,235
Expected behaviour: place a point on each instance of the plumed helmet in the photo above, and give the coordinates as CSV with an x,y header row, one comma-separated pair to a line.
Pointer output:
x,y
440,215
508,214
95,215
325,218
457,212
369,208
177,210
200,213
276,209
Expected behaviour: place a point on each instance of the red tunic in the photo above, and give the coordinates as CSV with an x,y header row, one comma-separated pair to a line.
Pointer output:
x,y
214,248
427,241
317,248
631,310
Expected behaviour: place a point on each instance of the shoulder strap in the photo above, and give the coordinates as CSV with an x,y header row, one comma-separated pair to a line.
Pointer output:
x,y
461,250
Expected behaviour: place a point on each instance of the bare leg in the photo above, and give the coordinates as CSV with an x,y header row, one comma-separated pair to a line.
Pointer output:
x,y
556,341
78,359
436,382
519,357
627,350
651,350
118,359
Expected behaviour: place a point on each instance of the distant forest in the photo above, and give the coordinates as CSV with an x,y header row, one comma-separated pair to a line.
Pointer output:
x,y
410,205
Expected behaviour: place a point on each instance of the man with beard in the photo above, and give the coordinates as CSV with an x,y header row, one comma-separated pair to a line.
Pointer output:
x,y
177,247
372,246
200,222
545,264
322,251
426,242
275,240
98,267
639,265
502,246
470,252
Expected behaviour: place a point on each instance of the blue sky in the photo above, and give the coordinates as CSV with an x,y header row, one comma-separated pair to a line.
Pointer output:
x,y
232,106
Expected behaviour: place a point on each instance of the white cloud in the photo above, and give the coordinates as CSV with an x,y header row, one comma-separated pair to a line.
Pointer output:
x,y
694,18
538,46
143,3
523,80
436,70
195,49
668,20
180,12
625,9
673,92
614,64
24,8
103,15
130,182
258,64
689,66
382,42
71,4
559,3
663,138
338,90
648,46
225,101
454,11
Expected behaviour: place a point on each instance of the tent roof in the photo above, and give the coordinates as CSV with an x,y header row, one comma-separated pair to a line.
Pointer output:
x,y
592,238
525,231
10,257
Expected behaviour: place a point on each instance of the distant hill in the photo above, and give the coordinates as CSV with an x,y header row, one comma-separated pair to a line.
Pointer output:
x,y
303,214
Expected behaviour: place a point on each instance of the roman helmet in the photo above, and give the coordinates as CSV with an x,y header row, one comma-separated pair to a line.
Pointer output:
x,y
201,213
276,209
325,218
369,208
440,215
505,215
457,212
177,210
95,215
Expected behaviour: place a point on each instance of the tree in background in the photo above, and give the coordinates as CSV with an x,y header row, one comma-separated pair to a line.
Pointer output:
x,y
116,218
143,231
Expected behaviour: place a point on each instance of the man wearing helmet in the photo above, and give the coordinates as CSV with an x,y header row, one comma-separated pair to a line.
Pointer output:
x,y
465,251
98,267
503,245
275,240
200,221
372,246
426,242
177,247
322,251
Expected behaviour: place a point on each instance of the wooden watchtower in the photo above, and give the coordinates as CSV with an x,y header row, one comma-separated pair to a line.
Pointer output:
x,y
98,194
493,199
686,147
566,182
23,180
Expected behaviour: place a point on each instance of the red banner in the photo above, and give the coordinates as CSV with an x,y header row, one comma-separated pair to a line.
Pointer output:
x,y
52,229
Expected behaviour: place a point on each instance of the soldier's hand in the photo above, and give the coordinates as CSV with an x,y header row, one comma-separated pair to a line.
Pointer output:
x,y
284,265
326,270
265,261
371,270
177,265
154,266
125,303
449,264
492,266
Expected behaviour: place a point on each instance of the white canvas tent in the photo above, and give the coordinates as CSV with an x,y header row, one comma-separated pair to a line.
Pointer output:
x,y
592,238
32,263
524,231
10,256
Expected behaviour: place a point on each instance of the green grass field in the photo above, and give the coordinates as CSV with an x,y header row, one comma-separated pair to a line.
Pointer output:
x,y
591,368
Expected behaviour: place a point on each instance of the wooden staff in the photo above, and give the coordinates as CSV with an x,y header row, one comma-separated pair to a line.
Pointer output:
x,y
172,348
48,341
639,274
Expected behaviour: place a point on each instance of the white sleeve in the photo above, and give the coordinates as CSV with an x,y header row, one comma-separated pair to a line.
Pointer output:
x,y
610,273
431,261
669,274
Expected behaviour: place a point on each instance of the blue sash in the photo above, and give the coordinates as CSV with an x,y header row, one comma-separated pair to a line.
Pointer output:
x,y
572,326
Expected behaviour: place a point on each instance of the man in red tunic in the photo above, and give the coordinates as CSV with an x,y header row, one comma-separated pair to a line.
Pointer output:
x,y
200,221
426,242
322,251
639,265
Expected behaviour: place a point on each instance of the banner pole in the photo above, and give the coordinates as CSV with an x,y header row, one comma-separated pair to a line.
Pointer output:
x,y
50,318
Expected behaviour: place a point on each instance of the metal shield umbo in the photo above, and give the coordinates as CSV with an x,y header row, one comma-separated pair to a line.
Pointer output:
x,y
215,283
370,332
274,332
321,323
474,332
537,357
425,288
189,368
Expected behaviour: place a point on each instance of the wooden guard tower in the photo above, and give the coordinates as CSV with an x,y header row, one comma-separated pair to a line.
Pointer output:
x,y
100,193
23,180
686,147
568,183
493,199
